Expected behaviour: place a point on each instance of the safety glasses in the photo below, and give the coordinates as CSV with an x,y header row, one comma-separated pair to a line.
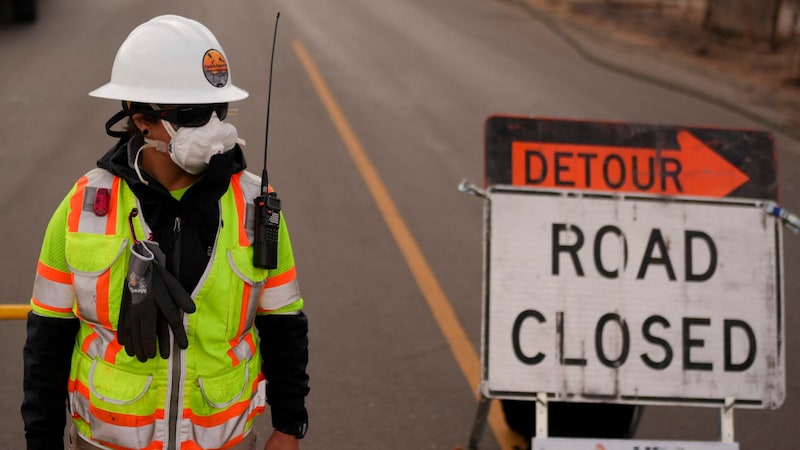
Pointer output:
x,y
190,115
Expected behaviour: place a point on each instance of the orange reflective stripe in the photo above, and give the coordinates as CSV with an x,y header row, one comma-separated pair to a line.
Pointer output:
x,y
88,341
192,445
102,298
232,356
53,274
241,208
49,307
245,308
76,205
257,411
125,420
235,410
233,442
111,223
112,351
219,418
242,319
242,325
155,445
249,339
282,279
103,281
77,387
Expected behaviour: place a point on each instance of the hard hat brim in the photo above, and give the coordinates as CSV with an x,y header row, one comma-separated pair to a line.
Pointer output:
x,y
113,91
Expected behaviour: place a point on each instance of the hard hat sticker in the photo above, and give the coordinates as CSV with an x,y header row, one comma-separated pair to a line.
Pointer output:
x,y
215,68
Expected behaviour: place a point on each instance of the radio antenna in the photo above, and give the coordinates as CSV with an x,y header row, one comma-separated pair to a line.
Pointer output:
x,y
264,177
268,205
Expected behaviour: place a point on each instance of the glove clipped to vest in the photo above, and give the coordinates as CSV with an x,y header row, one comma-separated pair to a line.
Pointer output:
x,y
153,302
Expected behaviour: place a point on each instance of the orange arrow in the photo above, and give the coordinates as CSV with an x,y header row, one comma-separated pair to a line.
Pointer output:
x,y
693,169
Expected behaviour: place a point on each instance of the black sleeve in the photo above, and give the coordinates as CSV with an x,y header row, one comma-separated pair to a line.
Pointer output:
x,y
47,357
284,350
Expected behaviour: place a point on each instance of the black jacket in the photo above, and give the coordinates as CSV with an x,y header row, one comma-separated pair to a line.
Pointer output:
x,y
185,231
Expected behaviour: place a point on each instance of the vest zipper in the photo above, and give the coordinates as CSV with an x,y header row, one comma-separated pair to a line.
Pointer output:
x,y
175,381
176,252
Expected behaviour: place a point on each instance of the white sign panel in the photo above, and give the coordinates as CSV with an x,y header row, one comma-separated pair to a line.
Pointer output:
x,y
632,299
618,444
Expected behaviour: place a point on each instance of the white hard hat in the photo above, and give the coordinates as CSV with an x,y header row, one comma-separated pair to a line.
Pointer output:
x,y
171,60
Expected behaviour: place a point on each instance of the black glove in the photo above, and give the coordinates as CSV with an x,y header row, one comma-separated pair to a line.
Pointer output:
x,y
152,302
173,301
174,318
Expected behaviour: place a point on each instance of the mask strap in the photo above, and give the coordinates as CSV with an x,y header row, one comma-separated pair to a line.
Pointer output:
x,y
171,131
136,164
148,143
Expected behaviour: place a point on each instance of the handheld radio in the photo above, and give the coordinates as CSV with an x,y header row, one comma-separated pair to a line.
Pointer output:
x,y
268,205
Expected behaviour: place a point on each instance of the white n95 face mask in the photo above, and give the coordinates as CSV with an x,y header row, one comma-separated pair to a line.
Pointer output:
x,y
191,148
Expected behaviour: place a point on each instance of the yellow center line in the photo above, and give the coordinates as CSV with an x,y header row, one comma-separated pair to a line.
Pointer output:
x,y
465,355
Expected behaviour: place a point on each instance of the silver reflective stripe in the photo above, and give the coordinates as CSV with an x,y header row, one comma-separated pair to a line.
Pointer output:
x,y
130,437
252,305
99,346
53,294
242,350
255,291
85,282
84,443
87,309
280,296
79,406
251,188
250,221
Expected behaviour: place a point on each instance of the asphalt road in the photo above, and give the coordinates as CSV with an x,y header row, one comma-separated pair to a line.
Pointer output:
x,y
396,92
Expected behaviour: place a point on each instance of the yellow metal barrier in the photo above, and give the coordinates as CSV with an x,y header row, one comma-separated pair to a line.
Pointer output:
x,y
14,312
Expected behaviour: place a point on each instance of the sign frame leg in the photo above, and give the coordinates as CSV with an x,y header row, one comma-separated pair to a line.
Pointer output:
x,y
726,420
479,423
542,426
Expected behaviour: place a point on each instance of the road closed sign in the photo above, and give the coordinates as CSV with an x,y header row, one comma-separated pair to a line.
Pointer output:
x,y
632,264
633,299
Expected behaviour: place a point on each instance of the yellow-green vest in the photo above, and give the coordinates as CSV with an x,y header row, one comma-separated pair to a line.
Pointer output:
x,y
204,397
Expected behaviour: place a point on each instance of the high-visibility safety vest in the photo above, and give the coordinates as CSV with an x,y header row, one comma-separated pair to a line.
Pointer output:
x,y
204,397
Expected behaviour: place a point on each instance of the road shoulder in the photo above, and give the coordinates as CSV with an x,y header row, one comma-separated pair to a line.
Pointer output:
x,y
672,50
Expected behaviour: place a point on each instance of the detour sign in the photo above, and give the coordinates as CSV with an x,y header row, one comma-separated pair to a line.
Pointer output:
x,y
631,158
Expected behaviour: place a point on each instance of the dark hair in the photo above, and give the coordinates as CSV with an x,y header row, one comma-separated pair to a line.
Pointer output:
x,y
133,130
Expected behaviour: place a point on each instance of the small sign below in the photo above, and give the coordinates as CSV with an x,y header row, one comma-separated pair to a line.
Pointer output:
x,y
619,444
